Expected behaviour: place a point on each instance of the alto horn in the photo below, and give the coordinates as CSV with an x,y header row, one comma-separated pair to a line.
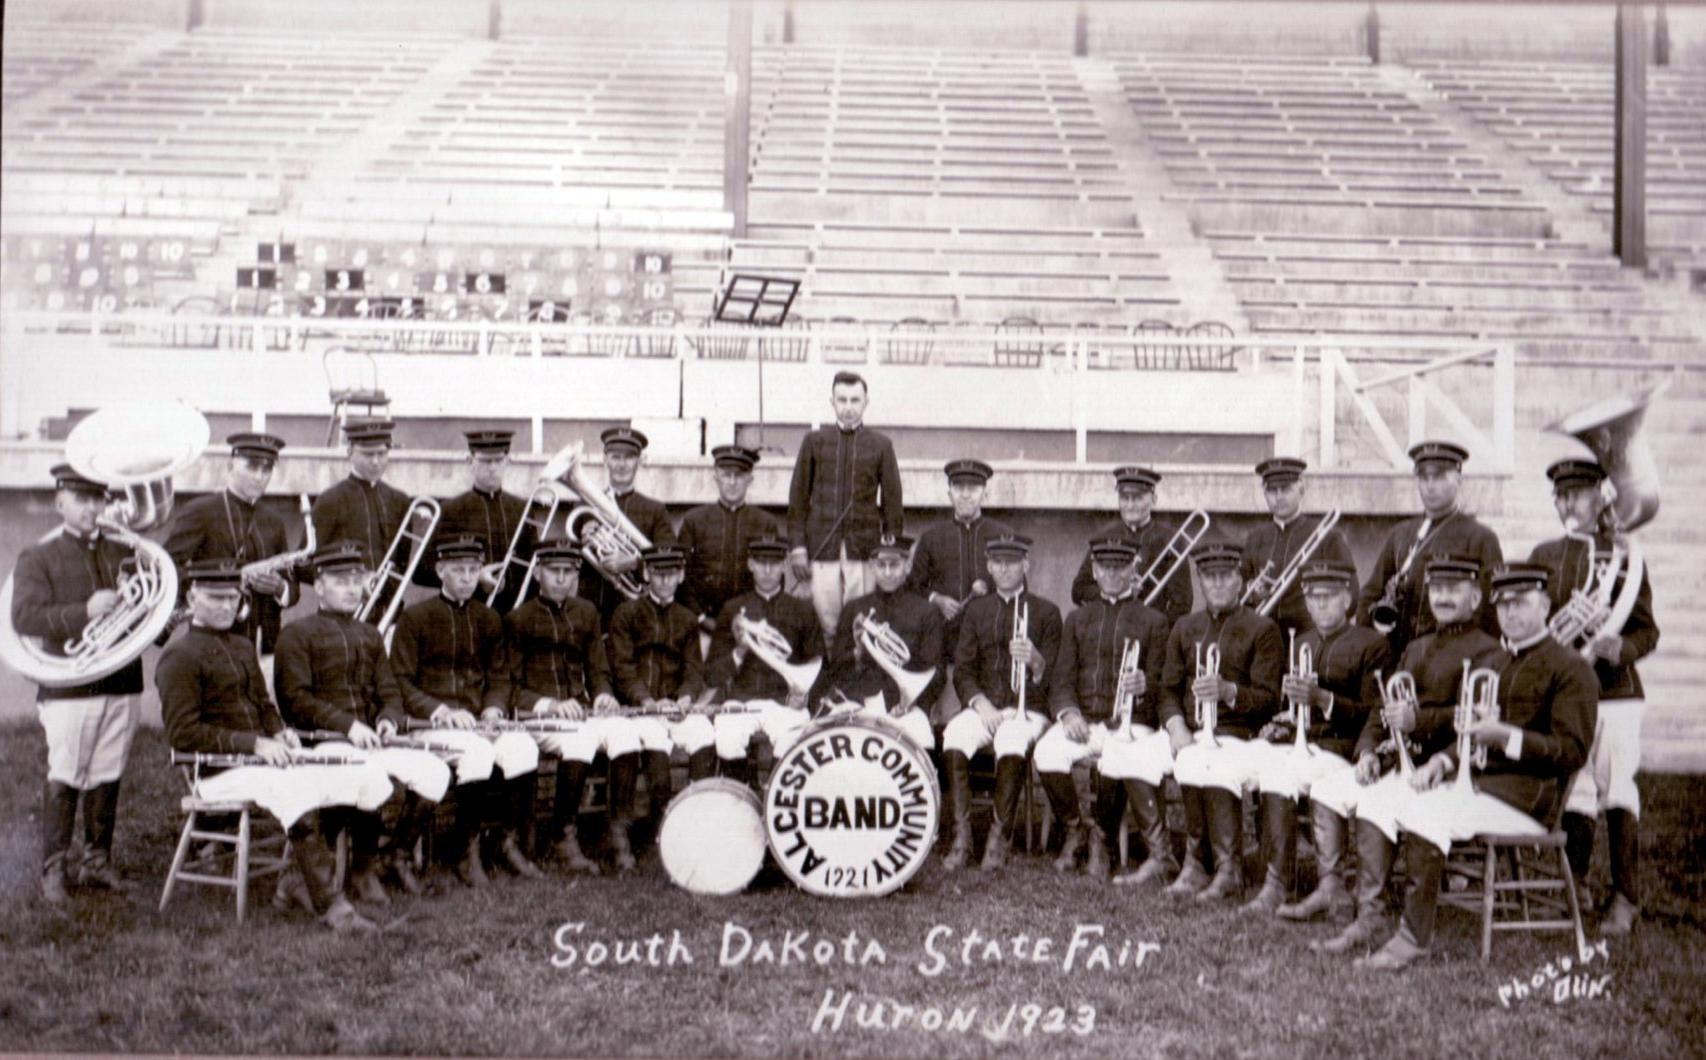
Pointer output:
x,y
134,449
889,651
772,649
604,534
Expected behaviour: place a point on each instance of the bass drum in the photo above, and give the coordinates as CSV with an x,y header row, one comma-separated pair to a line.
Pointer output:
x,y
852,808
712,839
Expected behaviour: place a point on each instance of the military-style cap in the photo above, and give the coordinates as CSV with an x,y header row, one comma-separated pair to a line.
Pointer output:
x,y
557,554
1443,568
738,457
1514,578
1575,472
460,546
249,443
663,557
1444,452
1331,575
624,436
66,477
767,547
972,469
339,555
1281,470
1015,546
488,441
893,543
1217,555
1132,475
214,572
357,431
1112,550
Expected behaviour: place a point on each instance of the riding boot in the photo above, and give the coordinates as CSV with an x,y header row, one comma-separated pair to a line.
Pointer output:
x,y
1225,828
660,784
1623,830
100,816
1009,786
412,823
1158,862
317,867
958,770
58,819
472,868
1374,868
738,770
1063,800
1100,860
1425,864
624,777
1194,876
1578,831
1279,833
1329,893
510,850
364,885
701,764
571,789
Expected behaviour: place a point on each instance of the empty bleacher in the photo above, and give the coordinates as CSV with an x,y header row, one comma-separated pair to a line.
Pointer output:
x,y
36,55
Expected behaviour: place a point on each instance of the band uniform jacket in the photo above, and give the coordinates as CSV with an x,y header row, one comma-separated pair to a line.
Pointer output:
x,y
1270,543
948,558
1087,669
1252,657
222,525
213,698
1568,559
651,519
851,671
1458,534
1550,693
555,651
494,518
1348,663
52,584
357,510
1151,541
845,490
444,652
654,651
714,536
753,678
331,671
1436,662
983,663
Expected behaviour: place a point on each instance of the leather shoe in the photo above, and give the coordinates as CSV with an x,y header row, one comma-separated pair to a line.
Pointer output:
x,y
368,889
403,871
516,860
292,892
1621,920
343,918
1399,952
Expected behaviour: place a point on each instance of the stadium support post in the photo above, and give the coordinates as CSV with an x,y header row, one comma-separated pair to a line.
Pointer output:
x,y
1661,37
1629,205
737,114
1371,34
1081,31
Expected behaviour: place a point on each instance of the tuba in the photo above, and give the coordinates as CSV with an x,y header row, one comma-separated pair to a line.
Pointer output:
x,y
388,583
1612,430
597,525
1477,700
1269,588
890,652
771,648
135,449
1162,568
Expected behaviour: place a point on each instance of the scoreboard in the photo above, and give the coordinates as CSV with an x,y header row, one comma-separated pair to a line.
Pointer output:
x,y
88,272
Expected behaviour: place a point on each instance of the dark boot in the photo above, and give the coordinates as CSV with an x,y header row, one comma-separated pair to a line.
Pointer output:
x,y
1158,861
402,868
1578,831
1623,830
1329,894
1425,864
660,783
700,765
1009,785
100,818
58,819
364,862
472,868
406,833
510,850
1193,877
620,846
1068,858
1225,830
1063,800
738,770
958,785
1374,867
1279,835
568,851
316,866
1100,860
624,778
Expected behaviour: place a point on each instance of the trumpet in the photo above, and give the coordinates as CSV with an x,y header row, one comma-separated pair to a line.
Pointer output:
x,y
1017,678
889,651
1269,588
1399,691
1384,615
1302,666
1130,660
1163,567
605,535
1208,707
771,648
1477,700
387,583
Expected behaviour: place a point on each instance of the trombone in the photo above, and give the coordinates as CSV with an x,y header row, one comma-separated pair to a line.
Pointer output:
x,y
1130,660
1269,589
1477,699
548,496
387,582
1398,691
1208,707
1155,577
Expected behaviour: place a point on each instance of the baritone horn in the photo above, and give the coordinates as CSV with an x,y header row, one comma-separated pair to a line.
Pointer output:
x,y
388,583
134,449
605,535
1269,588
771,647
890,652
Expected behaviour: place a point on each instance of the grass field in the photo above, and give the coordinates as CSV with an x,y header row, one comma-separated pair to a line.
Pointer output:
x,y
464,972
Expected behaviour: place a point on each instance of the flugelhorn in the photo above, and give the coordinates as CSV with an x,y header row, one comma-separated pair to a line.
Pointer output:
x,y
135,450
1208,707
1131,660
1384,615
889,651
597,525
1399,692
1477,700
771,647
387,582
1163,567
1269,588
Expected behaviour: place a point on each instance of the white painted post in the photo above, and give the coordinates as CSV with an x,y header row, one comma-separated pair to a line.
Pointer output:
x,y
1294,444
1417,393
1504,408
1328,366
1080,387
536,417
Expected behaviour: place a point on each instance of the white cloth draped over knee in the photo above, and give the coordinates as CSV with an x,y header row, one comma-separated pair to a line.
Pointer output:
x,y
1376,803
290,792
1229,763
613,735
1607,781
692,733
88,738
782,724
1446,814
478,756
1147,756
422,772
915,723
1289,774
1057,752
967,734
734,732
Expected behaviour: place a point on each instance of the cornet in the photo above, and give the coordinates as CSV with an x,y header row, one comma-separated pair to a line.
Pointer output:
x,y
1399,691
1302,666
1130,660
1477,700
1208,707
889,651
1017,678
771,648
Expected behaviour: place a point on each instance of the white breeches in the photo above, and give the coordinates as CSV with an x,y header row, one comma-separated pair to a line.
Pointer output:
x,y
1012,738
615,736
1607,781
915,723
1445,814
88,738
1147,756
290,792
422,772
1229,763
692,733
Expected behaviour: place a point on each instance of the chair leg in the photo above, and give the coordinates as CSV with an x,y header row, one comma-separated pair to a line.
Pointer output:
x,y
177,861
1575,906
242,864
1488,893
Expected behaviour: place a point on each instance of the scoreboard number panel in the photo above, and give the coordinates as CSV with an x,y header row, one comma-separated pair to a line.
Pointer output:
x,y
483,283
345,280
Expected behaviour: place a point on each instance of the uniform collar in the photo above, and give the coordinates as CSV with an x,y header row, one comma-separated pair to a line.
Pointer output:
x,y
848,430
1138,528
236,498
661,605
769,598
1457,628
1516,648
1283,524
1020,591
89,540
1115,601
730,508
370,484
336,615
491,496
967,524
442,595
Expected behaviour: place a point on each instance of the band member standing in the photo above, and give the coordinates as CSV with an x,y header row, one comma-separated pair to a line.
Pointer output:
x,y
59,586
486,511
1373,789
363,507
845,496
214,700
715,537
1273,545
1087,695
948,567
913,642
1148,535
735,668
448,657
992,644
1608,780
1547,704
1441,528
233,523
1210,765
623,449
557,668
333,676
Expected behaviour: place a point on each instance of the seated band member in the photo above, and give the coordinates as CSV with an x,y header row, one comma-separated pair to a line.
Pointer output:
x,y
333,676
487,511
1274,544
1211,764
715,537
1340,687
1088,695
557,668
214,700
1137,489
742,675
59,586
1548,700
1373,789
654,652
1579,491
992,645
912,642
448,656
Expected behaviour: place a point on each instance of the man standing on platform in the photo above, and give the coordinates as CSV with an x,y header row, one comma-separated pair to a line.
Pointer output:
x,y
1148,535
485,511
623,448
715,537
363,507
1273,545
